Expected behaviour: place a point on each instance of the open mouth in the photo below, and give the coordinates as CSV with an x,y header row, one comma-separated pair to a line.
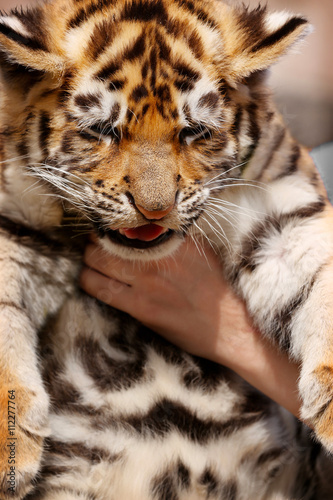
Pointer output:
x,y
147,236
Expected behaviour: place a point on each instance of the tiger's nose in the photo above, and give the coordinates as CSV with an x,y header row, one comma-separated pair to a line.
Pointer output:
x,y
155,214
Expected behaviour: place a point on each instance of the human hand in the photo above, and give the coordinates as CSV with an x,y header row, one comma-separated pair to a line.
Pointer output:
x,y
186,299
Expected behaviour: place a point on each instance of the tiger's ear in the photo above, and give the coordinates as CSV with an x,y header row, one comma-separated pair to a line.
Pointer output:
x,y
25,41
256,39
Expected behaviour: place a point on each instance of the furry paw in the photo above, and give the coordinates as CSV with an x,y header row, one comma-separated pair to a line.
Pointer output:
x,y
23,426
316,391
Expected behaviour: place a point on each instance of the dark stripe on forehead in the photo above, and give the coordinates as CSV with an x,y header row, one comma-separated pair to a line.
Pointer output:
x,y
201,15
101,38
279,34
130,54
117,84
164,49
139,92
86,12
109,70
163,93
146,11
136,50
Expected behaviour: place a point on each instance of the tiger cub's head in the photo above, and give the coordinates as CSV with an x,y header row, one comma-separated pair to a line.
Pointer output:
x,y
130,110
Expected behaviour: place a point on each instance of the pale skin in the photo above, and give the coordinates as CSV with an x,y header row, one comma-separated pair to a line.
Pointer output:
x,y
185,299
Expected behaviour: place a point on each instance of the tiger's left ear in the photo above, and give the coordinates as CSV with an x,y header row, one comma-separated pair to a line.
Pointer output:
x,y
256,39
25,40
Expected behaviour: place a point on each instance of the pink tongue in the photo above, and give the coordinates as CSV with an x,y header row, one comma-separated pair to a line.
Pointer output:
x,y
148,232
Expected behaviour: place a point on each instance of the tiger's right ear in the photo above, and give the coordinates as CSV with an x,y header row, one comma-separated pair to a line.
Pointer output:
x,y
24,40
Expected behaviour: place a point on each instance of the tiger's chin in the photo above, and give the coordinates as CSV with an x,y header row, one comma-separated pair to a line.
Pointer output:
x,y
144,244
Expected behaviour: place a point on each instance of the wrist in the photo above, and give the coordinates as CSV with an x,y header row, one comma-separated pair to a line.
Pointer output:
x,y
259,362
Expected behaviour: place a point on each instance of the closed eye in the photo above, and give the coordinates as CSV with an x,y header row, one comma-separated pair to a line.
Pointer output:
x,y
190,134
102,130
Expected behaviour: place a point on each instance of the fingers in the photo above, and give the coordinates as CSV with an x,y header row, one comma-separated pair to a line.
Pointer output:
x,y
108,290
108,265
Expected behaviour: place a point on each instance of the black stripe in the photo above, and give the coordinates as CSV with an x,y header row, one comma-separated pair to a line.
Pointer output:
x,y
93,455
114,115
13,305
183,85
280,326
229,490
108,373
224,90
43,243
254,242
226,490
102,36
31,43
44,132
210,100
184,71
139,92
201,15
86,12
86,101
130,54
183,476
135,50
254,130
34,21
205,375
54,491
292,163
279,34
310,210
274,146
209,480
251,23
109,70
55,470
167,416
118,84
237,121
22,146
65,89
145,11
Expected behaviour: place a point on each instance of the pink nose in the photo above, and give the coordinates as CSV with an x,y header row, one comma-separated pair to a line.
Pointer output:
x,y
154,214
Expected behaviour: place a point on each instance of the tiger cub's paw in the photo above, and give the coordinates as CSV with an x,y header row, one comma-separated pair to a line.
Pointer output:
x,y
23,426
316,391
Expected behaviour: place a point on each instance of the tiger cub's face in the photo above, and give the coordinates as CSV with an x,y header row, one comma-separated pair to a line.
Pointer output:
x,y
146,126
137,105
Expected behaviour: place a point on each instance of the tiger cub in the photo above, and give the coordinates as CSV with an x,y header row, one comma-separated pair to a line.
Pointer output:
x,y
119,114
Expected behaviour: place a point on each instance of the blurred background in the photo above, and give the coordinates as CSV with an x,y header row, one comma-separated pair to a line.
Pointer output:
x,y
302,82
